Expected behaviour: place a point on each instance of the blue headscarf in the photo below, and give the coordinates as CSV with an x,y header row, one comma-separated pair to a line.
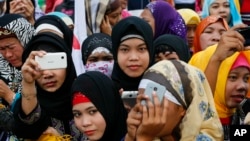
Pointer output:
x,y
235,15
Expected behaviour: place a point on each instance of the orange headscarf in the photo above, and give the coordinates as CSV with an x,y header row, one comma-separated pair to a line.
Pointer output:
x,y
202,26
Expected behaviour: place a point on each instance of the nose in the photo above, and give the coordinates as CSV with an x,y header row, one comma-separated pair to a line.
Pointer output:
x,y
133,56
222,9
242,86
47,74
85,121
216,37
8,53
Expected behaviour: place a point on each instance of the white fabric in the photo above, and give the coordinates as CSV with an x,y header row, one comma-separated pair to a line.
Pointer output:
x,y
105,67
80,33
184,1
100,49
168,95
48,26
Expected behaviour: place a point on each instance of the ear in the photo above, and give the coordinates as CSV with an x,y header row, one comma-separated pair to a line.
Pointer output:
x,y
182,111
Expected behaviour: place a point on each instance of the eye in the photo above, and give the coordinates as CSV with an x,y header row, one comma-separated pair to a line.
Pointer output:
x,y
76,114
92,112
246,78
232,77
123,49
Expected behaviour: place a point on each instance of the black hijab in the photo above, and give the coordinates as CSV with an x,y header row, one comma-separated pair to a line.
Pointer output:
x,y
102,92
126,26
172,43
94,41
60,24
56,104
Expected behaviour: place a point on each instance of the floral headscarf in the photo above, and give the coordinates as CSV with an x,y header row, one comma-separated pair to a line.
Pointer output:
x,y
191,89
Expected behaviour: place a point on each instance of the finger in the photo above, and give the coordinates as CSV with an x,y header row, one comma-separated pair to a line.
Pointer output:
x,y
238,26
157,105
165,109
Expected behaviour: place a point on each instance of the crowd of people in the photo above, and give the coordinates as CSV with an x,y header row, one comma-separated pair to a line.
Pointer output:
x,y
189,49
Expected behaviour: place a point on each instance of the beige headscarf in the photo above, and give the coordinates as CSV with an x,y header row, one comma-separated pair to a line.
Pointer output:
x,y
191,89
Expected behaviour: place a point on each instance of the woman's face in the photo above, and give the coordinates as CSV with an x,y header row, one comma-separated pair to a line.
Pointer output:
x,y
222,8
115,16
133,57
89,120
174,117
149,18
191,28
211,34
237,86
99,56
52,80
124,4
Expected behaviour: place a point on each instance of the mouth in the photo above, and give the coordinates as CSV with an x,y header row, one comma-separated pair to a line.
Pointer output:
x,y
238,98
134,67
50,84
89,132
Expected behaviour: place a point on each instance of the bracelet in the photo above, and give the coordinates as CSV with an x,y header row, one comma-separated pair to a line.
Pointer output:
x,y
15,98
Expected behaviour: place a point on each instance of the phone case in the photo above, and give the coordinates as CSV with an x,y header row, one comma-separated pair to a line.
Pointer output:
x,y
129,97
56,60
159,90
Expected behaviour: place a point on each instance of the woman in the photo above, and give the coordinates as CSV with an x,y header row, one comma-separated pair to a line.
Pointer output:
x,y
133,53
45,105
96,53
224,8
187,98
132,40
171,47
209,32
162,23
192,20
97,107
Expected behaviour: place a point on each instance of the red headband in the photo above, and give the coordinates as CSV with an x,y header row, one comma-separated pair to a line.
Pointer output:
x,y
79,98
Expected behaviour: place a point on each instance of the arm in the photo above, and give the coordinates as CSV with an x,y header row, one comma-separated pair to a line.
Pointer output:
x,y
30,72
230,42
5,92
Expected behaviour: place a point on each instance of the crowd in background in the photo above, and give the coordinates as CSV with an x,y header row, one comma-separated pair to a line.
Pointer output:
x,y
164,70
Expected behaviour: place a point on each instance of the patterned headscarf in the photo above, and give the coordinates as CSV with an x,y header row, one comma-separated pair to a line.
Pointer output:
x,y
95,11
167,19
202,26
94,41
24,31
101,91
235,15
191,89
201,60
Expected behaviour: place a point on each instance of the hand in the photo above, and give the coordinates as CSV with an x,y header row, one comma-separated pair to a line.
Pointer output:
x,y
105,26
5,92
30,69
133,121
154,117
230,42
24,8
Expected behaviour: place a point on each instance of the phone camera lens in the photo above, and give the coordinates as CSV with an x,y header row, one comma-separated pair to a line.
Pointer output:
x,y
62,57
155,89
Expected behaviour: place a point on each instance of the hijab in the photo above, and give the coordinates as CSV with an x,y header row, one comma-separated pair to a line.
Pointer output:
x,y
202,26
94,41
55,23
174,43
235,15
189,86
167,19
56,104
130,25
101,91
23,31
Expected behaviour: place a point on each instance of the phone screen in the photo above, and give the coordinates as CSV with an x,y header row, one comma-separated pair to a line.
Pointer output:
x,y
245,32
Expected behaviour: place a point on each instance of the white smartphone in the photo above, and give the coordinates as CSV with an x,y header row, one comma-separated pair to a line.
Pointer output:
x,y
153,86
129,97
57,60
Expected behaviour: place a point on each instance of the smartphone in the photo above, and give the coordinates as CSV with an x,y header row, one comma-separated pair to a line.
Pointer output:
x,y
57,60
153,86
129,97
245,32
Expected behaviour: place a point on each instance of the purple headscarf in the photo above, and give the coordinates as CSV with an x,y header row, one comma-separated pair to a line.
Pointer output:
x,y
167,19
